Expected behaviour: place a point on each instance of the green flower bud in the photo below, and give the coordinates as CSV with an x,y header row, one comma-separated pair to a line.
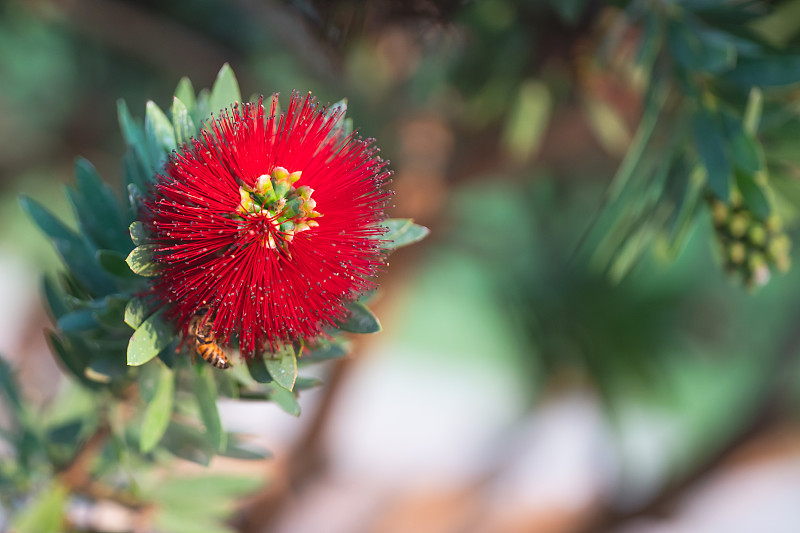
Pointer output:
x,y
738,225
736,198
280,174
719,212
737,253
780,245
757,234
263,185
774,223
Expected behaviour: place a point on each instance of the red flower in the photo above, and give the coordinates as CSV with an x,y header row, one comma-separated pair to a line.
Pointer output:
x,y
270,222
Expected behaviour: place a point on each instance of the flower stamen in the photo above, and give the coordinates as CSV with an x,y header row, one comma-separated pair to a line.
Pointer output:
x,y
282,208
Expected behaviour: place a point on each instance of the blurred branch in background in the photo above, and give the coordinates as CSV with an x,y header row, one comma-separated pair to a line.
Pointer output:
x,y
508,124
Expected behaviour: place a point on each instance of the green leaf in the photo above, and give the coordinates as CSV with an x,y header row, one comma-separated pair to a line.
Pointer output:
x,y
753,111
527,122
766,70
185,93
77,321
135,312
202,109
141,260
339,107
402,232
136,178
182,122
9,386
49,224
186,491
258,369
111,312
98,210
159,132
361,320
225,91
54,297
745,152
304,383
73,250
205,391
138,233
152,336
753,195
697,48
104,369
133,134
744,148
238,449
158,412
74,361
83,266
285,399
114,263
188,443
711,147
45,512
175,521
283,366
324,352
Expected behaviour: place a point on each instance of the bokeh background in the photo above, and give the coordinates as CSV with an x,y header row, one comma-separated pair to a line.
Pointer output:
x,y
515,387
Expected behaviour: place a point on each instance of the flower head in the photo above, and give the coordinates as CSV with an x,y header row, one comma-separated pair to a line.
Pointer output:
x,y
270,222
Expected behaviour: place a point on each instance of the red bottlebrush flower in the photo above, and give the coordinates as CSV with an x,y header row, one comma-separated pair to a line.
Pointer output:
x,y
269,222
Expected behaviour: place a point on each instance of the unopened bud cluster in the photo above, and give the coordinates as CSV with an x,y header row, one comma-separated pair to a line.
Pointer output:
x,y
751,247
288,209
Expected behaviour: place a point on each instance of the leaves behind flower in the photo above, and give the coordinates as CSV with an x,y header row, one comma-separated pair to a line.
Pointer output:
x,y
574,318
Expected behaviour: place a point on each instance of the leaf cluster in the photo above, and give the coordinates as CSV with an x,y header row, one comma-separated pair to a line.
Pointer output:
x,y
125,356
713,89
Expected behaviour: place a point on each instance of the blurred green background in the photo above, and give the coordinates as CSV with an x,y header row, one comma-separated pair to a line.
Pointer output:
x,y
505,123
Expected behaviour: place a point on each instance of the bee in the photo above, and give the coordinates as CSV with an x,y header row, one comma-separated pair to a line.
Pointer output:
x,y
203,341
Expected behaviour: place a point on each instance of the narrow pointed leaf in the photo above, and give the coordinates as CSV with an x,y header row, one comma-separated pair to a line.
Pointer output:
x,y
54,296
711,147
205,391
182,122
101,217
76,321
185,93
238,449
158,411
133,134
47,222
187,443
225,91
753,195
159,132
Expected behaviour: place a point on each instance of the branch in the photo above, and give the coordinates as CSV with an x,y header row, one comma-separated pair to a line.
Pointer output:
x,y
769,411
75,476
